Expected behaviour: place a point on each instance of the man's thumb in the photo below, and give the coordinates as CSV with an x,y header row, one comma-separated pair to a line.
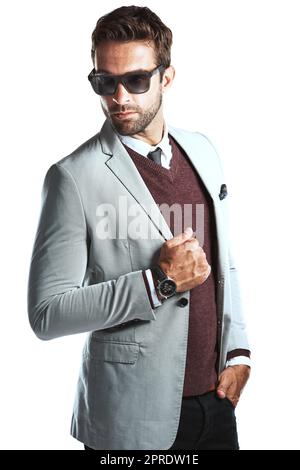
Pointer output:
x,y
223,386
188,231
221,393
182,237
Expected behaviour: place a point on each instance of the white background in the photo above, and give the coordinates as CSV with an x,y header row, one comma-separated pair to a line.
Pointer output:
x,y
237,81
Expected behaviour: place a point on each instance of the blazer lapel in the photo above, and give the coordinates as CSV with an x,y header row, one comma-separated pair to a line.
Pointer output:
x,y
199,157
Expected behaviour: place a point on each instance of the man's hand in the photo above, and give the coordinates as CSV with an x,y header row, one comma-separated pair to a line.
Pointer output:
x,y
184,261
232,381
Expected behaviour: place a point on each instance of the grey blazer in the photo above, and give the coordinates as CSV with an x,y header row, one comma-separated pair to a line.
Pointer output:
x,y
133,362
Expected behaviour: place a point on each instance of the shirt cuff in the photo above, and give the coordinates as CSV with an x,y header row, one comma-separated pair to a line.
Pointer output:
x,y
239,360
148,278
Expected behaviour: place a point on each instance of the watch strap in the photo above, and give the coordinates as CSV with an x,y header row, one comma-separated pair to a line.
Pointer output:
x,y
158,276
159,273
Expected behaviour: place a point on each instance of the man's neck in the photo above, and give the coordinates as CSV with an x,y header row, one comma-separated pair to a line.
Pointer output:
x,y
153,134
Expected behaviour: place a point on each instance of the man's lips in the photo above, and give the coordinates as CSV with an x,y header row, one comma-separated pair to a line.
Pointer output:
x,y
123,115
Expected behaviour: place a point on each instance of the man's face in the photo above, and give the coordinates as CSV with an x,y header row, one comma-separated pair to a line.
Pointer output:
x,y
118,58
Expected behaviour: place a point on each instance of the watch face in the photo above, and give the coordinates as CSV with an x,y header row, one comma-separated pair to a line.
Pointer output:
x,y
167,287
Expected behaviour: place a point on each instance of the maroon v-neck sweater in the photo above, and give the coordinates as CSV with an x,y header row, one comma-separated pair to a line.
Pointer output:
x,y
182,185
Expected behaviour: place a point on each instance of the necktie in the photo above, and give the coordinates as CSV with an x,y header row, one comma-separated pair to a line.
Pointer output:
x,y
155,155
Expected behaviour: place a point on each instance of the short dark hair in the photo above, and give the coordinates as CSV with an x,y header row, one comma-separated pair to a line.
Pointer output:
x,y
134,23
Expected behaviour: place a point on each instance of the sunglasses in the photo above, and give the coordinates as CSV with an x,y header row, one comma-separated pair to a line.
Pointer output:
x,y
134,82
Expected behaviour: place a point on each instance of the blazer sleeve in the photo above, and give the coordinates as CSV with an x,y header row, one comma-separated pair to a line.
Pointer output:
x,y
238,338
58,303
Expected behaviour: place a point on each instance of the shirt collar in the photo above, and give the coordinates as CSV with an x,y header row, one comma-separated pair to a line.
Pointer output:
x,y
143,148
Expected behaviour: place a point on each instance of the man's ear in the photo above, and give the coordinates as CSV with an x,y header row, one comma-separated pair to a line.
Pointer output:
x,y
168,78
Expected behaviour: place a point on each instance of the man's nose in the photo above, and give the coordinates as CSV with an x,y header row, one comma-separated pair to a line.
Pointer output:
x,y
121,95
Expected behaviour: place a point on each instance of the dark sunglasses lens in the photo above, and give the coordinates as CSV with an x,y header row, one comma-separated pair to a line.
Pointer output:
x,y
137,83
103,85
107,85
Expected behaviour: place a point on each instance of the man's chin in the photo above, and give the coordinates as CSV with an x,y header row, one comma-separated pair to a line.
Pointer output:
x,y
124,128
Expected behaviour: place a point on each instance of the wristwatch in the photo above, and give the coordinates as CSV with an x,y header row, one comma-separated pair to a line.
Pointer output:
x,y
165,285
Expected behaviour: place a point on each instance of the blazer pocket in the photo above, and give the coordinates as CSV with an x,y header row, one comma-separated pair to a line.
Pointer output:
x,y
113,351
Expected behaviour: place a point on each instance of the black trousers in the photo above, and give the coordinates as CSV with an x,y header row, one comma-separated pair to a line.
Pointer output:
x,y
206,423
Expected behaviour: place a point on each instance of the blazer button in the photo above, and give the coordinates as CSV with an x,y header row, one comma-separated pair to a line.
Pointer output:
x,y
182,302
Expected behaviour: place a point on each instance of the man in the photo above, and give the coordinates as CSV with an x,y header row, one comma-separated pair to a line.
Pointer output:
x,y
166,357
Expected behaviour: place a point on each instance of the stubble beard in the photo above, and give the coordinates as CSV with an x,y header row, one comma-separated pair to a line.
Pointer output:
x,y
132,127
